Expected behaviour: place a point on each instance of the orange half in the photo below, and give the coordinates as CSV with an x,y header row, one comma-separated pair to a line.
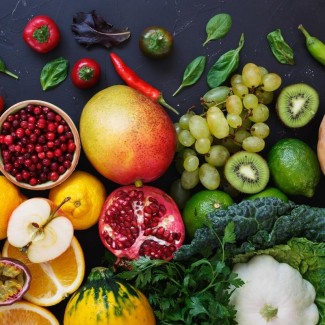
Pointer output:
x,y
23,312
54,280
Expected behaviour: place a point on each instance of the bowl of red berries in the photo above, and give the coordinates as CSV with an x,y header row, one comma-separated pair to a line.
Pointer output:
x,y
39,145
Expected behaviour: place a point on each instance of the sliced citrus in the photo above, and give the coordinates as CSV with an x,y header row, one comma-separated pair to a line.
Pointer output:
x,y
23,312
54,280
87,195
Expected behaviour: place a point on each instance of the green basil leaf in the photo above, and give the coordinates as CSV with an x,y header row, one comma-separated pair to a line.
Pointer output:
x,y
280,48
217,27
193,72
225,66
54,73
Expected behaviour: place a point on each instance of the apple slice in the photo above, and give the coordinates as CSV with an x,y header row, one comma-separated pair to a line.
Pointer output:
x,y
40,228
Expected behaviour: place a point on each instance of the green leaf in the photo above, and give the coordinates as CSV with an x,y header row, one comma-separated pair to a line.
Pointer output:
x,y
280,48
225,66
192,73
230,235
217,27
54,73
196,307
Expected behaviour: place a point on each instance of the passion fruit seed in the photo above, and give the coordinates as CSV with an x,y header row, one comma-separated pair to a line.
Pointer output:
x,y
14,280
37,145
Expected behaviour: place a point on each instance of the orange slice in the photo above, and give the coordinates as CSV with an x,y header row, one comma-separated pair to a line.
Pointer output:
x,y
54,280
23,312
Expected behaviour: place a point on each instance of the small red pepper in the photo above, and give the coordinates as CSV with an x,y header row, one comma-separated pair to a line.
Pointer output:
x,y
85,73
134,81
42,34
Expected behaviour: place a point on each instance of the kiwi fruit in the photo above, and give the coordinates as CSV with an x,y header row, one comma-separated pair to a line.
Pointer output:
x,y
247,172
297,104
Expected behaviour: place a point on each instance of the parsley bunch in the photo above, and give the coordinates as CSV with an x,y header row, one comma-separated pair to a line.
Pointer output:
x,y
191,292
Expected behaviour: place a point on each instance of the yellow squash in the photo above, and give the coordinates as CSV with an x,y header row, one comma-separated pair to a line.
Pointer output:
x,y
104,299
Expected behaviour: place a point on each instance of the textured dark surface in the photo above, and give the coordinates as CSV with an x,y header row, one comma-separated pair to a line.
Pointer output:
x,y
186,20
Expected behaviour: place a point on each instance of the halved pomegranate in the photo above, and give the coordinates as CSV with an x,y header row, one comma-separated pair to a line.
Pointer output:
x,y
141,221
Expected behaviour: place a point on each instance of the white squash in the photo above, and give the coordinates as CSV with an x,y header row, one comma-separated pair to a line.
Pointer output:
x,y
274,294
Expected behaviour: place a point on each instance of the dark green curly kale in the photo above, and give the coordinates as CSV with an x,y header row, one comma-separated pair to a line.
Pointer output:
x,y
259,224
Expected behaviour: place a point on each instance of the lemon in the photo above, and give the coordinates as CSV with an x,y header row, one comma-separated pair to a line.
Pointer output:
x,y
269,192
294,167
200,204
10,198
87,195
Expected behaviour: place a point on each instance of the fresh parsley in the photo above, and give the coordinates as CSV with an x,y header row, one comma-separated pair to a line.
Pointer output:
x,y
191,292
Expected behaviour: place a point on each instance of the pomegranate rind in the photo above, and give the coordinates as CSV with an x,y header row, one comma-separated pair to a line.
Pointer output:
x,y
26,278
141,221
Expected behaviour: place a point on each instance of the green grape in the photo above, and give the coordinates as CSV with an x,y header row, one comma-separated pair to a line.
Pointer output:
x,y
253,144
234,104
259,114
209,176
177,127
251,75
264,97
231,145
186,138
263,71
179,160
240,90
190,179
184,119
188,152
198,127
260,130
241,135
202,145
215,96
191,163
179,194
217,155
236,79
246,124
234,120
271,82
217,122
250,101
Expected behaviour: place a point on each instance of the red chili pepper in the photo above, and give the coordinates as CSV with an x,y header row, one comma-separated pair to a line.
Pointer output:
x,y
2,103
134,81
42,34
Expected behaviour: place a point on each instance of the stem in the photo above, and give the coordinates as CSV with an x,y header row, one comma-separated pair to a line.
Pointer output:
x,y
178,90
304,31
10,74
162,102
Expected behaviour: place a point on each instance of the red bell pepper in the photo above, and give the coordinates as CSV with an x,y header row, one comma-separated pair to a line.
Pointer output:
x,y
42,34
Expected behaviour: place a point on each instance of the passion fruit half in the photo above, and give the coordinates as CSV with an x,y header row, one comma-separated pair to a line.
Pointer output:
x,y
15,280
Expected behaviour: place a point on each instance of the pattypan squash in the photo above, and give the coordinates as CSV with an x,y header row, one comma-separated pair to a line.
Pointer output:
x,y
274,294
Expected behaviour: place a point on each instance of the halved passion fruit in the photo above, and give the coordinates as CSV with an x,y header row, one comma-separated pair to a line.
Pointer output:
x,y
15,280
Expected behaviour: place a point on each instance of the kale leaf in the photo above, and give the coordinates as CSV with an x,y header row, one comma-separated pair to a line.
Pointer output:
x,y
259,224
91,29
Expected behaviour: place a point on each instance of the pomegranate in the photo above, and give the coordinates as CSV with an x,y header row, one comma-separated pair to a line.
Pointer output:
x,y
126,136
141,221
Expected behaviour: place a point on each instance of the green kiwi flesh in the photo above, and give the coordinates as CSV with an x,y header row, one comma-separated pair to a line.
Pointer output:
x,y
247,172
297,104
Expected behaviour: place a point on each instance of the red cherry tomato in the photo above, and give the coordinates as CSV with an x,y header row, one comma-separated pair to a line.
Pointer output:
x,y
85,73
42,34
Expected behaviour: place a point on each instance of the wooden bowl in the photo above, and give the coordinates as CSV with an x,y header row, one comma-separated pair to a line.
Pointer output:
x,y
76,154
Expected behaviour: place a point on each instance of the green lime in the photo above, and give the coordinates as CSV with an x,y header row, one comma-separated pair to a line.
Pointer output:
x,y
200,204
294,167
269,192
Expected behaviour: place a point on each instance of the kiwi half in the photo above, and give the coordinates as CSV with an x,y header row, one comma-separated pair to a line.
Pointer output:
x,y
297,104
247,172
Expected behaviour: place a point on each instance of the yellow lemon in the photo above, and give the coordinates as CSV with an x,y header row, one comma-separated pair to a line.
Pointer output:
x,y
10,198
87,195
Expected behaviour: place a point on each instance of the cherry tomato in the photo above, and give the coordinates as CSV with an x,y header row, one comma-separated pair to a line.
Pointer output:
x,y
2,103
85,73
156,42
42,34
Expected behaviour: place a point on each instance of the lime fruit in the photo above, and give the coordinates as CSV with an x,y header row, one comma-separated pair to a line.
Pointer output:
x,y
200,204
294,167
269,192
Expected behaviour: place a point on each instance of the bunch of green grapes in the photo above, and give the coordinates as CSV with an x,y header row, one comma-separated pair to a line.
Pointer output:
x,y
234,118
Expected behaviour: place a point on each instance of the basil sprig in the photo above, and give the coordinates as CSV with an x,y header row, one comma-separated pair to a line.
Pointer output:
x,y
225,66
192,73
54,73
217,27
280,48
